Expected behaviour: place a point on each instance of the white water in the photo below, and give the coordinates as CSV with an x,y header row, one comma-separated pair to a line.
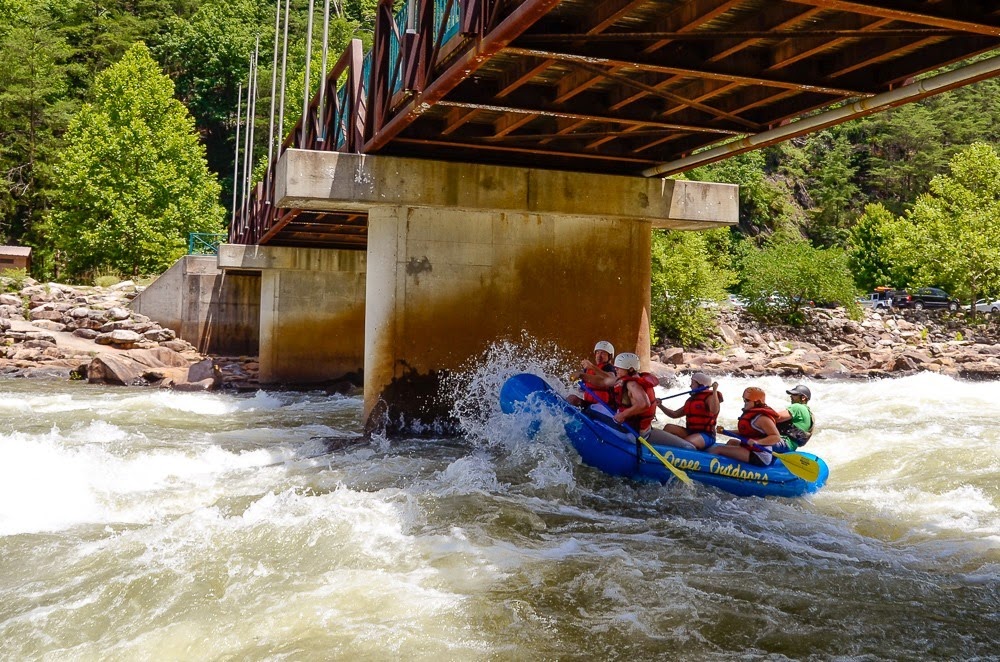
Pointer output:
x,y
140,524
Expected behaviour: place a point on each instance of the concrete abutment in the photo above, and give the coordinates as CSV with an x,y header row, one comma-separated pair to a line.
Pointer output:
x,y
461,255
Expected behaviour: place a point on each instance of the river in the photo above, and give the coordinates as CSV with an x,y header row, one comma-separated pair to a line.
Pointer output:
x,y
140,524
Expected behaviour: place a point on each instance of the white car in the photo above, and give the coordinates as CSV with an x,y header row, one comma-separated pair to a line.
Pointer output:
x,y
877,300
987,306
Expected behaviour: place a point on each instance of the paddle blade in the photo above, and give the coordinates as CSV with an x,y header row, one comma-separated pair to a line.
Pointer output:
x,y
798,464
679,473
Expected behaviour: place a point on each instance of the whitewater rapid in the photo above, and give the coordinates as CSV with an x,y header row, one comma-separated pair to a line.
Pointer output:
x,y
143,524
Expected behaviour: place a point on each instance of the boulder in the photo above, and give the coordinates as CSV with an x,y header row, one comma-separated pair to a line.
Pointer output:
x,y
37,314
10,300
115,369
119,338
50,325
117,313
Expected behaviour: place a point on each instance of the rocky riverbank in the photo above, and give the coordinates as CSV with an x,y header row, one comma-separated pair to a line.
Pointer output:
x,y
832,346
59,331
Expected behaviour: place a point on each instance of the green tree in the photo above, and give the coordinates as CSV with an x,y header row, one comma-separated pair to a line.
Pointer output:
x,y
684,278
831,188
951,237
33,112
780,279
907,150
132,178
870,249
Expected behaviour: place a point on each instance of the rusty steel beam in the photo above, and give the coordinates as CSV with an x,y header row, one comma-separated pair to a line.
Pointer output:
x,y
607,119
712,35
482,146
492,43
649,89
905,15
982,70
657,67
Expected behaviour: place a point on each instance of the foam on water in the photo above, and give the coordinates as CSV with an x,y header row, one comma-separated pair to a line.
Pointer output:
x,y
229,527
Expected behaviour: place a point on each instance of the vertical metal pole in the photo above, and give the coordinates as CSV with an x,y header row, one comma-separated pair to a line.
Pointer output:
x,y
236,161
320,111
253,125
274,84
281,101
246,142
305,92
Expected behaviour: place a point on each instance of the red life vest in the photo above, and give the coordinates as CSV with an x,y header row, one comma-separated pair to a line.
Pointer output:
x,y
603,395
699,418
745,423
647,381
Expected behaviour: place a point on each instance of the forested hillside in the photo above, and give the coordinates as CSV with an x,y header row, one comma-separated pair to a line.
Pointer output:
x,y
53,52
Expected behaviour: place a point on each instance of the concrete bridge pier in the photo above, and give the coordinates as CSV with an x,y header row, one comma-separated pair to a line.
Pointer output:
x,y
312,310
460,256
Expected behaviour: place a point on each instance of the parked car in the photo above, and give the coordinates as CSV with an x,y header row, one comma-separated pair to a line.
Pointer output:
x,y
925,297
987,306
877,300
736,301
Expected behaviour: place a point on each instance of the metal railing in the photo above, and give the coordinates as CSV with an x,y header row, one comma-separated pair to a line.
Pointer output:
x,y
364,91
204,243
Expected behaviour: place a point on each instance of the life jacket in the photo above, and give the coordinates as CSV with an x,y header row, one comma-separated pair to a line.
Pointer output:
x,y
800,437
622,401
744,423
603,395
699,418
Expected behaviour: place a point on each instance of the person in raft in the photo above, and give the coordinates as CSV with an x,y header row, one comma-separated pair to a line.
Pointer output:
x,y
633,399
701,411
603,351
795,424
758,424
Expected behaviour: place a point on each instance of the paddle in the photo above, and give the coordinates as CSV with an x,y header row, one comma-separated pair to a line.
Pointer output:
x,y
804,467
681,475
677,395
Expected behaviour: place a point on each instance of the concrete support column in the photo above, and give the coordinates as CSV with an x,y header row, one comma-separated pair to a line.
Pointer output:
x,y
443,284
312,311
461,255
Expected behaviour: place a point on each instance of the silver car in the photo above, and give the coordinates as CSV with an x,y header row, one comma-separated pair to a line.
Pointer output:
x,y
988,306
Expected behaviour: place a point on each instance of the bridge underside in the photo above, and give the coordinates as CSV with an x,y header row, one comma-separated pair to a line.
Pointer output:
x,y
620,86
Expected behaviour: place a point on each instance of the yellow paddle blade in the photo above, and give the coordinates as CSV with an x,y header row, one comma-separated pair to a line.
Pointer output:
x,y
677,472
804,467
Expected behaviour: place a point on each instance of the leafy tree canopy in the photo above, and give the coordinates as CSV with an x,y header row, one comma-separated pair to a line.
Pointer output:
x,y
784,276
686,280
132,178
951,237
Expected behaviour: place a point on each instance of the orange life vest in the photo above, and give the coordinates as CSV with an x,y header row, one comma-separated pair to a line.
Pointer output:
x,y
699,418
745,423
642,420
603,395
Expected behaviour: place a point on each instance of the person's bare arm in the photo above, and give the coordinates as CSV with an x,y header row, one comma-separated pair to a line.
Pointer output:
x,y
767,426
598,378
640,401
712,401
672,413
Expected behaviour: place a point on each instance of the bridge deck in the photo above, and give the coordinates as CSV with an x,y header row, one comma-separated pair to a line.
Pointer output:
x,y
611,86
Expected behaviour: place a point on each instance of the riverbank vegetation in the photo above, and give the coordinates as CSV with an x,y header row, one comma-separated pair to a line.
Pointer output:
x,y
902,198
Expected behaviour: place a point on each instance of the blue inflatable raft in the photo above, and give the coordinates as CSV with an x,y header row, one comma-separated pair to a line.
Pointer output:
x,y
614,451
